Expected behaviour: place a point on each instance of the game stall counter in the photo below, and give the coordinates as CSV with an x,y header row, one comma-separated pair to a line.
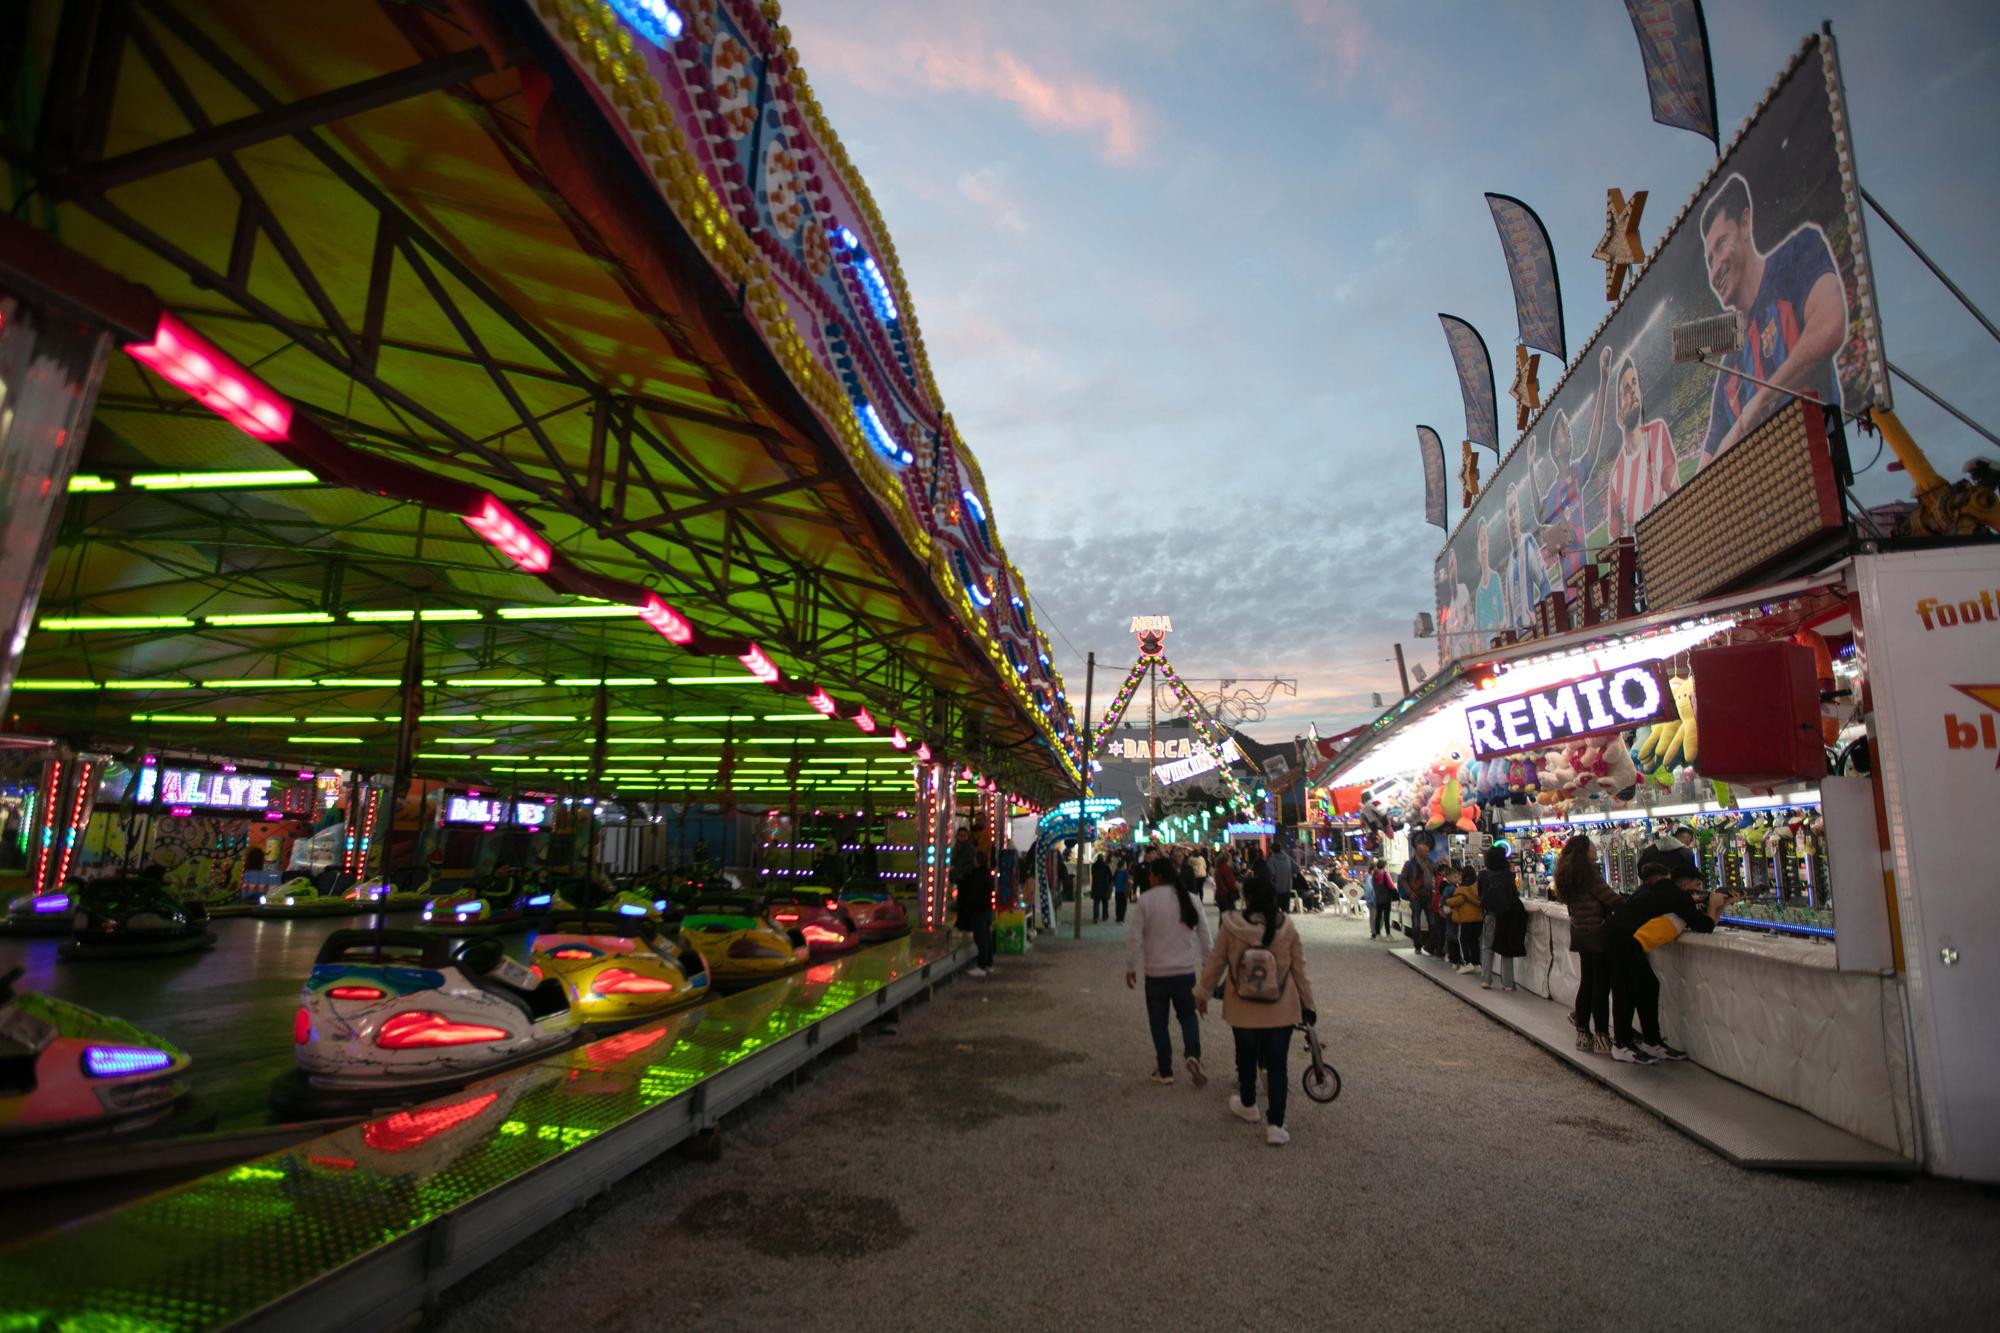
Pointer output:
x,y
1773,1013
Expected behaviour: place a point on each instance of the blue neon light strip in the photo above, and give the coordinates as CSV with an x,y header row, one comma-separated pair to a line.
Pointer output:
x,y
118,1061
1778,927
655,20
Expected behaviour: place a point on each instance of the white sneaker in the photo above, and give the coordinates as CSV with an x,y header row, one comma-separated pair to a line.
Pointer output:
x,y
975,971
1276,1136
1242,1112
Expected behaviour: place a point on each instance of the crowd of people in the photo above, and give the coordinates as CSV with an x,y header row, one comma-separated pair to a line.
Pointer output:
x,y
1471,918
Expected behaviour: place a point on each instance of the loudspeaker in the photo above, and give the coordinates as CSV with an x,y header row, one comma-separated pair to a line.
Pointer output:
x,y
1756,708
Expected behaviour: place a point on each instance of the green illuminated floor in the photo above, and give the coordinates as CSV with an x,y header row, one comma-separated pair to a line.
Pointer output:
x,y
228,1244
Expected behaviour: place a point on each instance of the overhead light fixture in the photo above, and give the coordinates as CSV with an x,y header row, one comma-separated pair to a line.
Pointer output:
x,y
190,362
507,533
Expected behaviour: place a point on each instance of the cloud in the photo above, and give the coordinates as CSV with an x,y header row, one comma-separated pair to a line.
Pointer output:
x,y
1044,97
1339,31
986,189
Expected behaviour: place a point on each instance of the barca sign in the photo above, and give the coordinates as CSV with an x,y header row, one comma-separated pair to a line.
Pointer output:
x,y
1633,696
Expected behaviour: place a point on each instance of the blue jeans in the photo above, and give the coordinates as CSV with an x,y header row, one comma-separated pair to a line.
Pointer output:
x,y
1178,991
982,936
1265,1048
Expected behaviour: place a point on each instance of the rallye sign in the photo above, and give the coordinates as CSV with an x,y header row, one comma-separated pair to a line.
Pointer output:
x,y
1631,696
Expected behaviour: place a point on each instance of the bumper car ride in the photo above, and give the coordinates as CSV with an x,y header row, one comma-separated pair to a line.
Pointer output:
x,y
469,912
825,924
41,913
742,945
301,897
393,1016
619,969
65,1070
382,895
877,914
131,917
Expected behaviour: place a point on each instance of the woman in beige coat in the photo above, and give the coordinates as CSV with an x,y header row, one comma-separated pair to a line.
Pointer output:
x,y
1263,1028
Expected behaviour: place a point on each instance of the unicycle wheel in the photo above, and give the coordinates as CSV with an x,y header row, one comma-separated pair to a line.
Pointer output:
x,y
1321,1083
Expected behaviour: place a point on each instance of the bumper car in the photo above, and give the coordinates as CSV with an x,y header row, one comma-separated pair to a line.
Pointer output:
x,y
133,917
221,903
742,944
41,913
65,1070
877,914
468,911
619,969
299,896
382,895
541,901
396,1016
824,923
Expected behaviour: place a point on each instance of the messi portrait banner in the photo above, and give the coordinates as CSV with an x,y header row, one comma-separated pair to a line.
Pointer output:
x,y
1773,237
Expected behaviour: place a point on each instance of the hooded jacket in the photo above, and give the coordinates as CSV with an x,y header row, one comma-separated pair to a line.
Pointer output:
x,y
1237,933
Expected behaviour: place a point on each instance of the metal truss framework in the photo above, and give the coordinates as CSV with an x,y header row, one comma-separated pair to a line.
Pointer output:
x,y
637,459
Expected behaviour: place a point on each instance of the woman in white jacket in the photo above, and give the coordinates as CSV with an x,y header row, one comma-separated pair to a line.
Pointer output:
x,y
1168,936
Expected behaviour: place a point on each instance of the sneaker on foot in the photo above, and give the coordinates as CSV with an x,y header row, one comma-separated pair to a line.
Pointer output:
x,y
1276,1136
1242,1112
1582,1040
1630,1055
975,971
1164,1080
1196,1072
1601,1043
1486,985
1659,1050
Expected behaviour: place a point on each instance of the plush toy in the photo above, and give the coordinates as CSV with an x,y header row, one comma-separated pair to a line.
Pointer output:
x,y
1619,770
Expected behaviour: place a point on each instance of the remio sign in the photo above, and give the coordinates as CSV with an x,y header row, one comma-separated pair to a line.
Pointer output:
x,y
1631,696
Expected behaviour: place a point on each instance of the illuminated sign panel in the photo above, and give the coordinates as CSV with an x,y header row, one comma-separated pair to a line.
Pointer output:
x,y
1631,696
204,788
1251,828
466,810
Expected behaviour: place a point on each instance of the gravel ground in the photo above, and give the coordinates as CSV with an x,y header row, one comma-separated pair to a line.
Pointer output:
x,y
1001,1160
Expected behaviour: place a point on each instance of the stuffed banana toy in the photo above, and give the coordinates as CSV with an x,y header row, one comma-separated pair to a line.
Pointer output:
x,y
1674,742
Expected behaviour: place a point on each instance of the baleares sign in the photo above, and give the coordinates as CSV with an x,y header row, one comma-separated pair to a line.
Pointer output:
x,y
1631,696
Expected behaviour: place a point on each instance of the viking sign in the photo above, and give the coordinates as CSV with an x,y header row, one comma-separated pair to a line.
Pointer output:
x,y
1633,696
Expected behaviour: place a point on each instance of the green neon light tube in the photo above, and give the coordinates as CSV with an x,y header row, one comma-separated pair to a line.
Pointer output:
x,y
335,719
493,682
462,740
528,717
271,618
146,685
713,680
857,740
795,717
210,481
361,682
176,717
266,683
699,740
635,717
59,624
600,611
635,740
266,717
84,482
710,717
775,740
323,740
56,685
406,615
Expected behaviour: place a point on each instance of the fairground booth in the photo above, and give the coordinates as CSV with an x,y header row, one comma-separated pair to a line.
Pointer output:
x,y
1664,620
486,403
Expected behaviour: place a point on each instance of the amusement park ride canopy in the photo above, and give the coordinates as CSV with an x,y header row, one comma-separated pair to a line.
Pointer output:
x,y
574,310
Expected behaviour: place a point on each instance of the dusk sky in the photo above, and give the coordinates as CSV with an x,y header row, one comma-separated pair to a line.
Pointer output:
x,y
1178,268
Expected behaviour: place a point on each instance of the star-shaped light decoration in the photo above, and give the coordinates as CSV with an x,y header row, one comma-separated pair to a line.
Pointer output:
x,y
1621,247
1468,472
1527,390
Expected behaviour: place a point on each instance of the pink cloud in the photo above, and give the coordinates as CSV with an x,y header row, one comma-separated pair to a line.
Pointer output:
x,y
1043,97
1339,30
